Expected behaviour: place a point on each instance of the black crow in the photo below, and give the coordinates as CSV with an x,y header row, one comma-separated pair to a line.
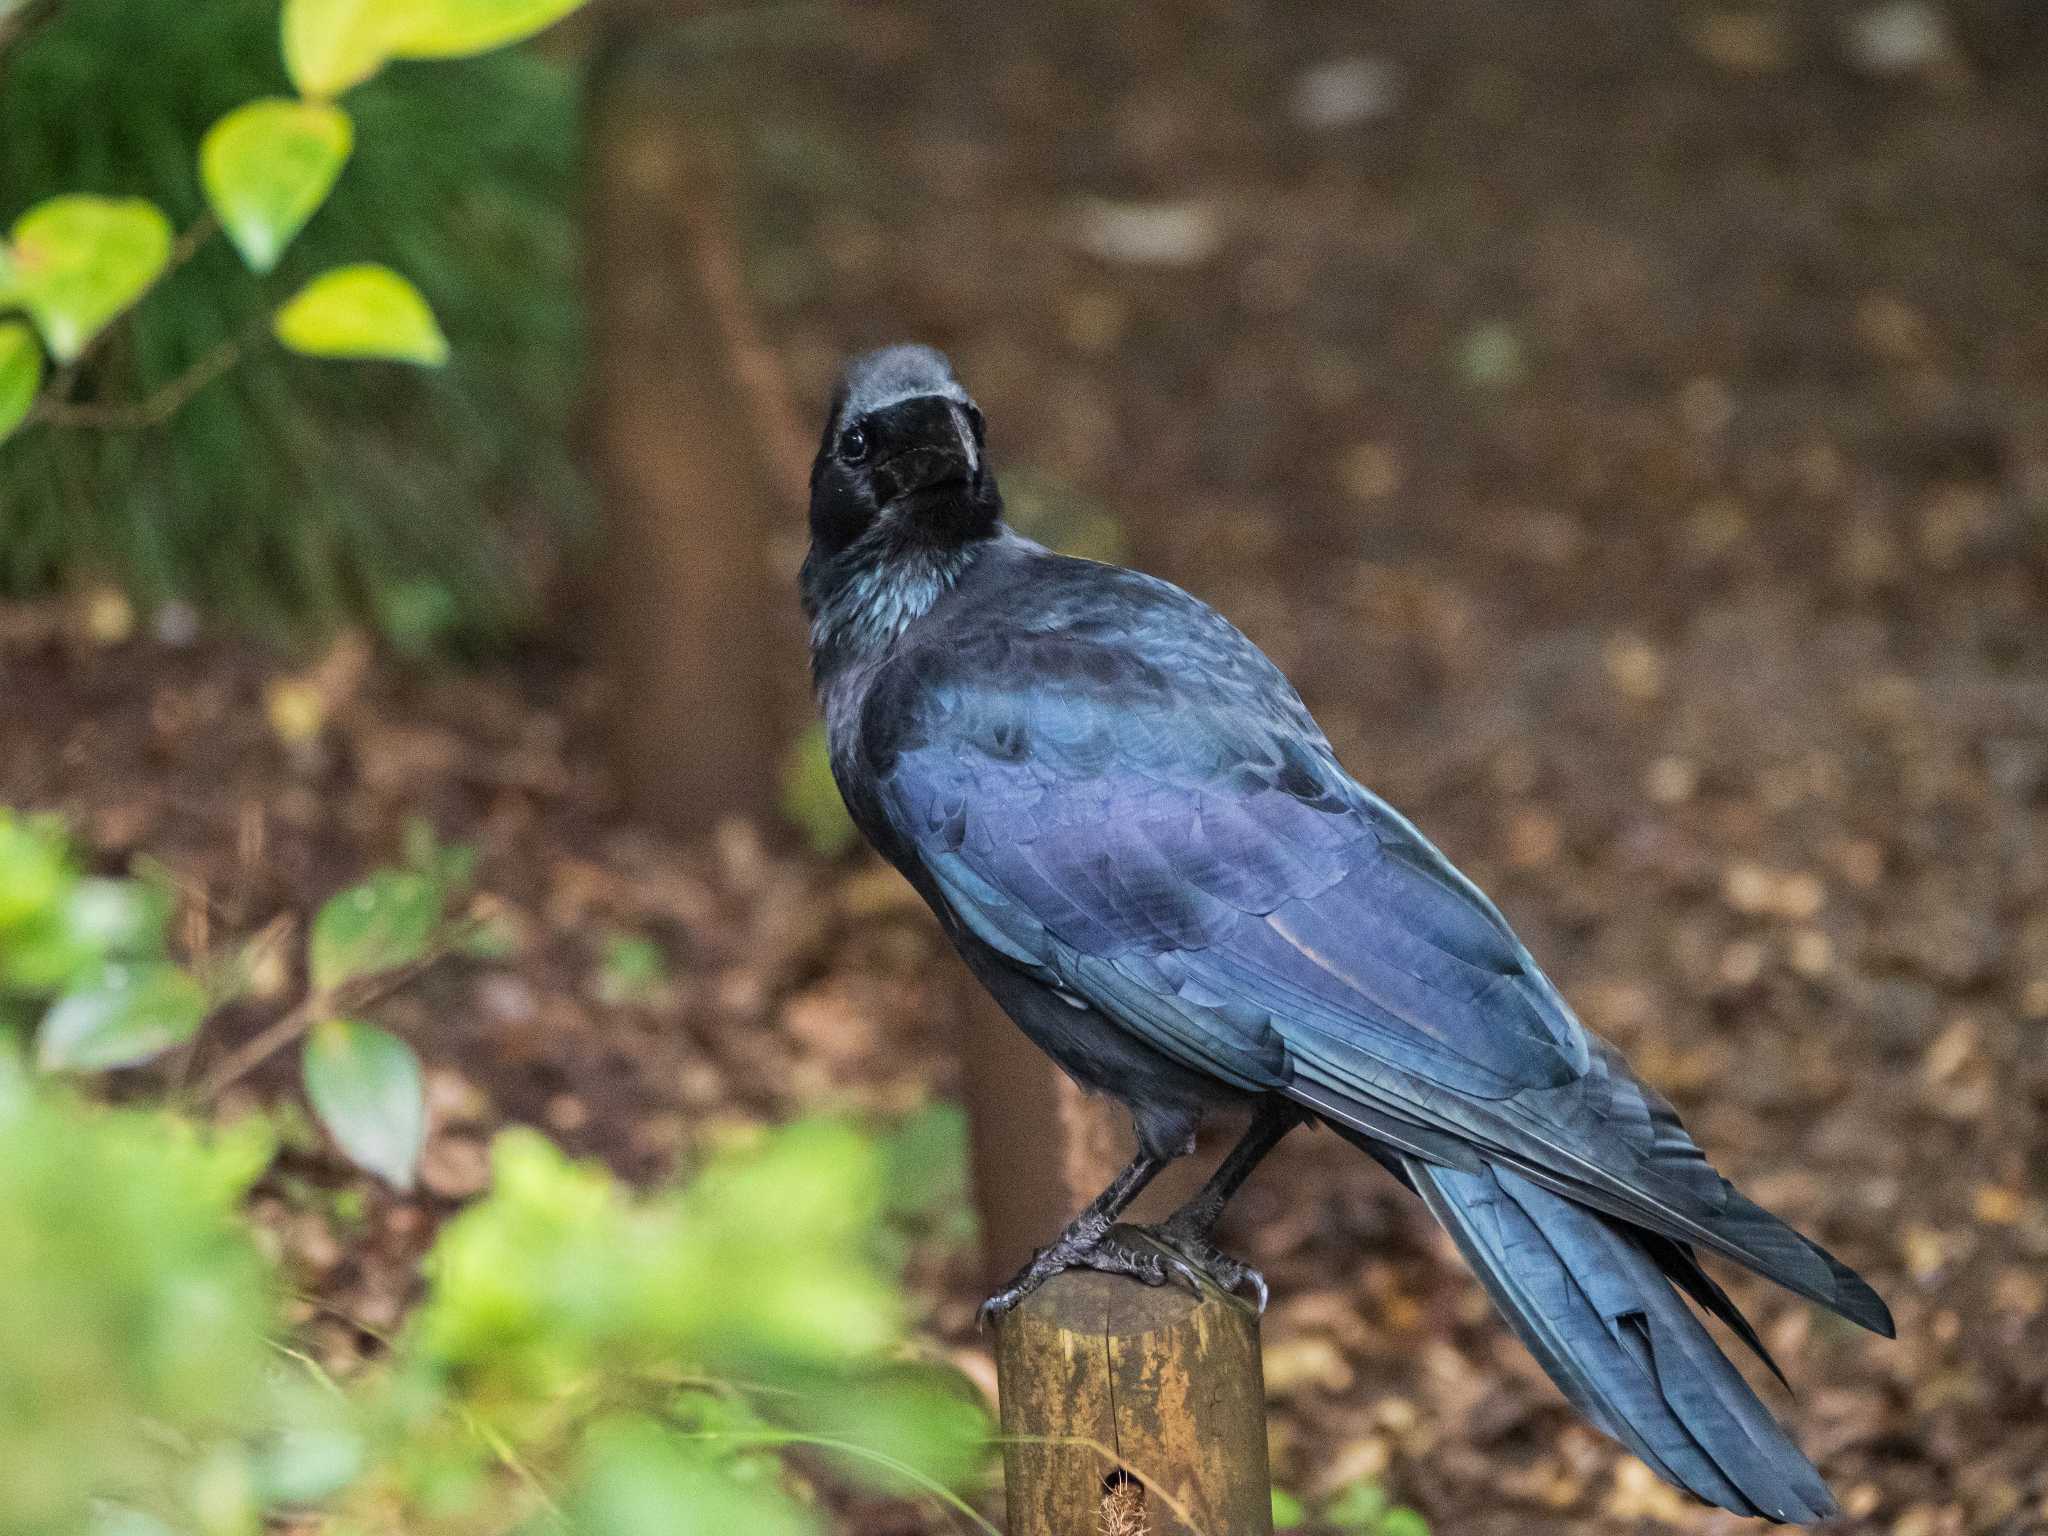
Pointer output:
x,y
1142,844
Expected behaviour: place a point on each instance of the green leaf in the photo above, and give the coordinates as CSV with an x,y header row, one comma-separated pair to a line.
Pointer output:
x,y
267,167
632,1479
449,29
125,1015
901,1420
21,374
80,260
925,1162
35,871
330,45
1403,1521
365,1085
119,917
88,924
449,865
314,1449
1358,1507
364,311
1287,1511
633,969
125,1520
386,922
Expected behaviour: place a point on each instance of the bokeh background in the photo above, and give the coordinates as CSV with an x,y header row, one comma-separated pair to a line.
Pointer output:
x,y
1628,424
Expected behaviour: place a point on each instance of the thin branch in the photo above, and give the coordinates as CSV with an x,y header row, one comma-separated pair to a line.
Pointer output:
x,y
190,243
153,411
311,1010
252,1053
501,1448
54,406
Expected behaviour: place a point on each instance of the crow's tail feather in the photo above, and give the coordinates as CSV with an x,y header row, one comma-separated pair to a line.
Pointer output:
x,y
1590,1298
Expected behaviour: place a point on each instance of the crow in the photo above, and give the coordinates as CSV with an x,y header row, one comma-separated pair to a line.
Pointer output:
x,y
1142,844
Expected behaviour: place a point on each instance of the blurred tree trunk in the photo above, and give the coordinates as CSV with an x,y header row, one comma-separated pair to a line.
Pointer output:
x,y
695,476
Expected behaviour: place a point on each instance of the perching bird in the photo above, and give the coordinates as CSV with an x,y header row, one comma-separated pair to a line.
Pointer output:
x,y
1142,844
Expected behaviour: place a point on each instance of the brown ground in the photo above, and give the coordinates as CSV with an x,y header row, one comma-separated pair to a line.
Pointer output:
x,y
1635,443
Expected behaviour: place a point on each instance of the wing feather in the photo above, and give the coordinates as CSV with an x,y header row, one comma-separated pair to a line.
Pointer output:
x,y
1143,815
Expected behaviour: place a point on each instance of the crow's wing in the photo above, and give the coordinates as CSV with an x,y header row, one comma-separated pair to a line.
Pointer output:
x,y
1133,805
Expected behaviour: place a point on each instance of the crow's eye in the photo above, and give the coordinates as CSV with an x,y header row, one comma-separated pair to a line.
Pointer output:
x,y
853,445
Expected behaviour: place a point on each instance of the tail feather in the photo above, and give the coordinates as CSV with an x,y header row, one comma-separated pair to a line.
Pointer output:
x,y
1590,1298
1682,1268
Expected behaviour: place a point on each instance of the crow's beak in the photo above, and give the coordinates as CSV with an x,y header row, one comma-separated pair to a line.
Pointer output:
x,y
921,443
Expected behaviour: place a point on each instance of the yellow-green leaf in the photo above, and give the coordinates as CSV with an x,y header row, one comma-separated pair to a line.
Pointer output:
x,y
267,167
80,260
447,29
330,45
21,374
362,311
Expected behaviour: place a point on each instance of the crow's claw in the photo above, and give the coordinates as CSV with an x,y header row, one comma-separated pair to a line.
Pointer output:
x,y
1152,1255
1193,1254
1109,1253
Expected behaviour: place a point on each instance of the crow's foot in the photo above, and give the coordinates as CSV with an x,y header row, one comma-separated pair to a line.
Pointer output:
x,y
1110,1253
1190,1245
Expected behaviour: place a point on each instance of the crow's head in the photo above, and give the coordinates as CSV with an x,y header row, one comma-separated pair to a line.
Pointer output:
x,y
902,455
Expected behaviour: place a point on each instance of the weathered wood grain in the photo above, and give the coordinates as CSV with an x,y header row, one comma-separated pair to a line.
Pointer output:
x,y
1104,1380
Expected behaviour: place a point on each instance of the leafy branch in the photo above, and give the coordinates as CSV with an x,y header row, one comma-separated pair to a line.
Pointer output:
x,y
75,264
97,950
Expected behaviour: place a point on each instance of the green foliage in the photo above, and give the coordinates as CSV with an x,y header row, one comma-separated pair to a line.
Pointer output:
x,y
132,1307
585,1360
453,29
635,1478
925,1179
650,1355
82,964
366,1086
580,1348
387,922
21,374
290,492
1362,1508
631,970
330,45
89,949
1288,1512
811,799
122,1015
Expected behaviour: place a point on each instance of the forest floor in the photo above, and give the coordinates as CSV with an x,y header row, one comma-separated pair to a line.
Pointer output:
x,y
1630,428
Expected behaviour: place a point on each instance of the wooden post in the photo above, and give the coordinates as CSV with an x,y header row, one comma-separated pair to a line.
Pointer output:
x,y
1133,1410
1041,1148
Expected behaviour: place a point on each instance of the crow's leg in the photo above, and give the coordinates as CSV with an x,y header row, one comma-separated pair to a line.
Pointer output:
x,y
1189,1232
1081,1246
